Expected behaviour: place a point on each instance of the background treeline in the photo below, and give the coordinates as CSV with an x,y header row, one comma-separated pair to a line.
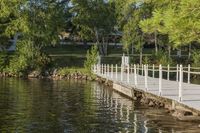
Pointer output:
x,y
168,25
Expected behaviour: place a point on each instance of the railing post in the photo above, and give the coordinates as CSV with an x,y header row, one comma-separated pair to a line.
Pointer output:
x,y
180,83
131,69
153,71
128,72
121,72
97,69
142,70
160,80
101,69
112,71
168,69
138,69
105,73
145,77
108,70
116,70
135,76
188,73
177,71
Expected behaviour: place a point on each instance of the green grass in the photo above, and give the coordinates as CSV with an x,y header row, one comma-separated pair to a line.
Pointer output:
x,y
72,70
74,55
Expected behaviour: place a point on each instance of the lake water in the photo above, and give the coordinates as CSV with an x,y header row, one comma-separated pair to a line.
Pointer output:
x,y
46,106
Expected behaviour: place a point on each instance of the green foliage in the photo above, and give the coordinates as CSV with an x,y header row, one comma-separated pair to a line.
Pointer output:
x,y
27,59
66,71
196,58
162,58
93,19
4,60
146,60
91,58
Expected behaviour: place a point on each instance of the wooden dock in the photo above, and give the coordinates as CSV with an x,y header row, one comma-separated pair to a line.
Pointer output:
x,y
167,82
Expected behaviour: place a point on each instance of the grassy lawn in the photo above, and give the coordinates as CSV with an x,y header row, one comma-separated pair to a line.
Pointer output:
x,y
74,55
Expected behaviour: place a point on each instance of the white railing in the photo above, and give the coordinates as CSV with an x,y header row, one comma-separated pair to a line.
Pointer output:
x,y
107,71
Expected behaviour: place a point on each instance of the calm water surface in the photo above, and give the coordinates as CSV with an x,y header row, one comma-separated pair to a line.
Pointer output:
x,y
45,106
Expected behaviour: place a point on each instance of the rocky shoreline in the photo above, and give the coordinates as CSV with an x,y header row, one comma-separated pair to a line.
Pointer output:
x,y
54,75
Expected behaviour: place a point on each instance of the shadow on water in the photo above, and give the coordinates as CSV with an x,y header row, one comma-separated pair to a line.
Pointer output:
x,y
46,106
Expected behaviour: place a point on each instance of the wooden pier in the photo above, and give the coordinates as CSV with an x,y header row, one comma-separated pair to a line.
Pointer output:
x,y
168,82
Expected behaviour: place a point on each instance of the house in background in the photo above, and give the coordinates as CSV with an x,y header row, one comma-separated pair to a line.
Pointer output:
x,y
13,43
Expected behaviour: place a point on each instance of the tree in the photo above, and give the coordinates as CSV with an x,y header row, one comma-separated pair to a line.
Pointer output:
x,y
11,20
130,13
176,19
94,20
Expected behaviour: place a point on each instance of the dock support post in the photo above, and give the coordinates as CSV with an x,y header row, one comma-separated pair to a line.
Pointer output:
x,y
116,70
168,69
177,71
160,80
188,73
128,72
153,71
145,78
180,83
122,72
135,76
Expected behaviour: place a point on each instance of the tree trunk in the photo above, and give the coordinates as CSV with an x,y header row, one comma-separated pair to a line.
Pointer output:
x,y
189,51
97,41
105,46
132,49
169,51
141,55
155,39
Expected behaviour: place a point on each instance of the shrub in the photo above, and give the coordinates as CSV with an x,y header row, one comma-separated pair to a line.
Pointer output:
x,y
196,58
4,60
162,58
91,58
27,58
146,60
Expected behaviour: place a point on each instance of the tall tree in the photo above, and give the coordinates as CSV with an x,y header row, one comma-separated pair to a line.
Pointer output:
x,y
130,13
94,20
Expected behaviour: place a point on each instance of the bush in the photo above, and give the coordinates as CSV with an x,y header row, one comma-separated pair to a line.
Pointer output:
x,y
196,58
91,58
162,58
146,60
4,60
27,58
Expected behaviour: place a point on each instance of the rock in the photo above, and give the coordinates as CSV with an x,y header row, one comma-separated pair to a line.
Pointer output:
x,y
151,104
147,101
161,105
135,98
142,100
55,72
34,74
187,113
